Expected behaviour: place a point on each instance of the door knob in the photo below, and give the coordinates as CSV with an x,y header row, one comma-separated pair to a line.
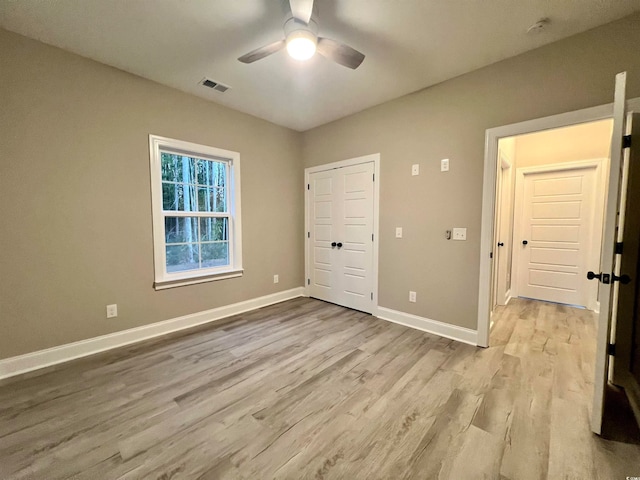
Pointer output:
x,y
339,244
524,242
501,244
333,244
592,275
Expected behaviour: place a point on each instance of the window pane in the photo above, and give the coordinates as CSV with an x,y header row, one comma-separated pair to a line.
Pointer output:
x,y
214,229
212,199
182,257
215,254
212,173
178,168
180,229
179,197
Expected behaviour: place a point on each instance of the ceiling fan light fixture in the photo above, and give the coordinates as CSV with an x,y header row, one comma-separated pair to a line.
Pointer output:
x,y
301,44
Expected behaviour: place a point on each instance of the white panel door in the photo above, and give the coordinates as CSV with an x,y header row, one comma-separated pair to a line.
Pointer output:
x,y
355,227
556,225
341,236
323,215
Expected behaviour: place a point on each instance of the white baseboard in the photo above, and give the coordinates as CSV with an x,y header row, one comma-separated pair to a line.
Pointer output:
x,y
70,351
461,334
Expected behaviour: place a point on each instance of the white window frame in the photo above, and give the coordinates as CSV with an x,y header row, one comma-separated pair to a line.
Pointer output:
x,y
164,279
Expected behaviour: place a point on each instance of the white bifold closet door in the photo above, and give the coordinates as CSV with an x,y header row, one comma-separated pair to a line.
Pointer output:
x,y
341,236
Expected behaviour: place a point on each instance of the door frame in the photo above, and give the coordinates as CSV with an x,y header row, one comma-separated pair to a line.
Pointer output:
x,y
502,295
492,136
597,220
372,158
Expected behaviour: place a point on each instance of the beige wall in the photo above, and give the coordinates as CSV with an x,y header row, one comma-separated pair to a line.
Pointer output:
x,y
569,144
449,120
75,194
75,198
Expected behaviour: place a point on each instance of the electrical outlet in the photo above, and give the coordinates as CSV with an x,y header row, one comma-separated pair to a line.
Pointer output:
x,y
459,233
415,169
398,232
112,310
276,279
444,165
412,297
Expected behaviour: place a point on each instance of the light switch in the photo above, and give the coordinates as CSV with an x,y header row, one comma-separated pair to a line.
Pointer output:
x,y
459,233
444,165
415,169
398,232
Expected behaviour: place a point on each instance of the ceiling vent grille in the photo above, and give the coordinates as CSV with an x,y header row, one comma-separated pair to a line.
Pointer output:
x,y
217,86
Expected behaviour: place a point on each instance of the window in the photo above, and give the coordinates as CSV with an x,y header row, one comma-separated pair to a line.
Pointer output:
x,y
195,193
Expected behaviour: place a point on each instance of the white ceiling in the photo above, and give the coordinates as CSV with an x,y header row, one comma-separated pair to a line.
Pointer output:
x,y
409,44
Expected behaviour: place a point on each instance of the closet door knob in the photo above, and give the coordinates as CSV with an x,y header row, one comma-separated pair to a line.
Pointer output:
x,y
339,244
500,244
333,244
524,242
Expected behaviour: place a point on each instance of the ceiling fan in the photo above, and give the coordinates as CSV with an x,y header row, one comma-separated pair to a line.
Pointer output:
x,y
302,40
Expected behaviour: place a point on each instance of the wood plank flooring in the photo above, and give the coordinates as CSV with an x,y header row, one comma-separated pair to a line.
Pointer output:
x,y
306,389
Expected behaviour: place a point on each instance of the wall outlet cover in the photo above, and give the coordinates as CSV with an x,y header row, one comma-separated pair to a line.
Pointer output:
x,y
459,233
276,279
415,169
412,297
398,232
112,310
444,165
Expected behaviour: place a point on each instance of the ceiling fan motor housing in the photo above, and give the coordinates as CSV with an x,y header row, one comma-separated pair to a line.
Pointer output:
x,y
292,25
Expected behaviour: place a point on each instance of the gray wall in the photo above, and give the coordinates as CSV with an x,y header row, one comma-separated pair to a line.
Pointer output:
x,y
75,193
75,198
449,121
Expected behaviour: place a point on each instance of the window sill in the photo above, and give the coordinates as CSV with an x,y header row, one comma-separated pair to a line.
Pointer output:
x,y
181,282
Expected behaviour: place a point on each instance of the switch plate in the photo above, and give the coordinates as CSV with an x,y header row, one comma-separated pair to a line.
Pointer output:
x,y
459,233
112,311
415,169
276,279
398,232
412,297
444,165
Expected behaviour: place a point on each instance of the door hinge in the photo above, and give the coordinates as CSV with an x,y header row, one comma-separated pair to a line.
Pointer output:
x,y
491,255
371,295
308,186
308,281
308,234
626,141
374,177
372,237
611,349
618,248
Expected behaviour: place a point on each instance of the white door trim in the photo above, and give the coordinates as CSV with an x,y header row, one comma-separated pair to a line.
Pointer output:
x,y
375,158
502,294
492,136
593,252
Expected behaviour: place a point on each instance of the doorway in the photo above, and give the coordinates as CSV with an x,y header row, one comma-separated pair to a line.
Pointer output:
x,y
341,218
549,202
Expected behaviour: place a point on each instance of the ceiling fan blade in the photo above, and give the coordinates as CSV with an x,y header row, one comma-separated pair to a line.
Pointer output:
x,y
340,53
301,9
262,52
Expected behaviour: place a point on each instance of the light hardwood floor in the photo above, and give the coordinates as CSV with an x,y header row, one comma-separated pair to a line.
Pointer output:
x,y
306,389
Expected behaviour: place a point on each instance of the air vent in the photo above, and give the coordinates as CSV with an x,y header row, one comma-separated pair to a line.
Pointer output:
x,y
219,87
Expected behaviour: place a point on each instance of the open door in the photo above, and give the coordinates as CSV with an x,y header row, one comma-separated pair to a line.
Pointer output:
x,y
610,263
626,359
